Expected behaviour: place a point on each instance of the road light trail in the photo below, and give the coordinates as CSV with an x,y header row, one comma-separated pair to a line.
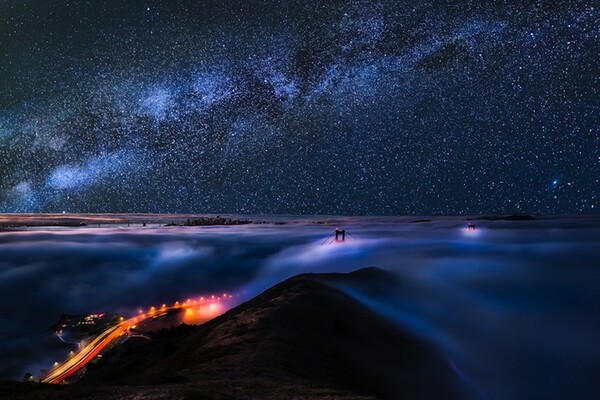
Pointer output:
x,y
110,335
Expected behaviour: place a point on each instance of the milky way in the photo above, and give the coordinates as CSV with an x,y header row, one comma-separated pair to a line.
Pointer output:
x,y
351,107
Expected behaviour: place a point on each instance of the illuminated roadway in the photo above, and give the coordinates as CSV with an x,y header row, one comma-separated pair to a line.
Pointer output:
x,y
72,365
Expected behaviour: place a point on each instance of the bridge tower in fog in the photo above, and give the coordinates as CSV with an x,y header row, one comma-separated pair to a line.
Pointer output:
x,y
339,235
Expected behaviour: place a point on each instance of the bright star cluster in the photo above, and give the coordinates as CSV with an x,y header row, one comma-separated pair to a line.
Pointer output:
x,y
300,107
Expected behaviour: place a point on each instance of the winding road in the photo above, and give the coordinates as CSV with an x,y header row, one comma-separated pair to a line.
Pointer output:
x,y
63,371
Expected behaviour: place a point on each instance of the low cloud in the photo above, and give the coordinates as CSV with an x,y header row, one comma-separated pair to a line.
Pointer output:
x,y
517,298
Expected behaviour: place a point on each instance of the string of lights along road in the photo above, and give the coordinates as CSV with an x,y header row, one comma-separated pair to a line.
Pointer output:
x,y
195,311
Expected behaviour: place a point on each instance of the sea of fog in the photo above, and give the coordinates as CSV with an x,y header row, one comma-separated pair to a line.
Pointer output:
x,y
513,305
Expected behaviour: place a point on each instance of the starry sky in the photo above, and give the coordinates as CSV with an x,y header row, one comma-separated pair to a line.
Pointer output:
x,y
300,107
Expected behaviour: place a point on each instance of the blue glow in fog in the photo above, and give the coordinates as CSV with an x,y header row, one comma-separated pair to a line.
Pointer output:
x,y
513,305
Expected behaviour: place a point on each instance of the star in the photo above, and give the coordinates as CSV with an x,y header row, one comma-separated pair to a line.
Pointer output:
x,y
228,108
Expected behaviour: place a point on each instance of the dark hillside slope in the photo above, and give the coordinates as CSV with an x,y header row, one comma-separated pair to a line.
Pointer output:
x,y
300,339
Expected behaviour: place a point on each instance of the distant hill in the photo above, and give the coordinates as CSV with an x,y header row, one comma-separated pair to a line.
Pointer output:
x,y
301,339
513,217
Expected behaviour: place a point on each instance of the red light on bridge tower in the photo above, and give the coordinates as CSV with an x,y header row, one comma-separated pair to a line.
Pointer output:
x,y
338,236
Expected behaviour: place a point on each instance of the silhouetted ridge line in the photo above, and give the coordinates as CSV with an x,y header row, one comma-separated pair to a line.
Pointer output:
x,y
302,338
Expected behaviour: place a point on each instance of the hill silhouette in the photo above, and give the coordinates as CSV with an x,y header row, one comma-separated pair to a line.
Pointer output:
x,y
301,339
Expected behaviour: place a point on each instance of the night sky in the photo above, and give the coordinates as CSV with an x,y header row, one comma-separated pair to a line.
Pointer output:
x,y
302,107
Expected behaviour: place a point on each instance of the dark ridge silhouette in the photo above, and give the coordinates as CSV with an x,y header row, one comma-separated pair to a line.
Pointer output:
x,y
301,339
514,217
